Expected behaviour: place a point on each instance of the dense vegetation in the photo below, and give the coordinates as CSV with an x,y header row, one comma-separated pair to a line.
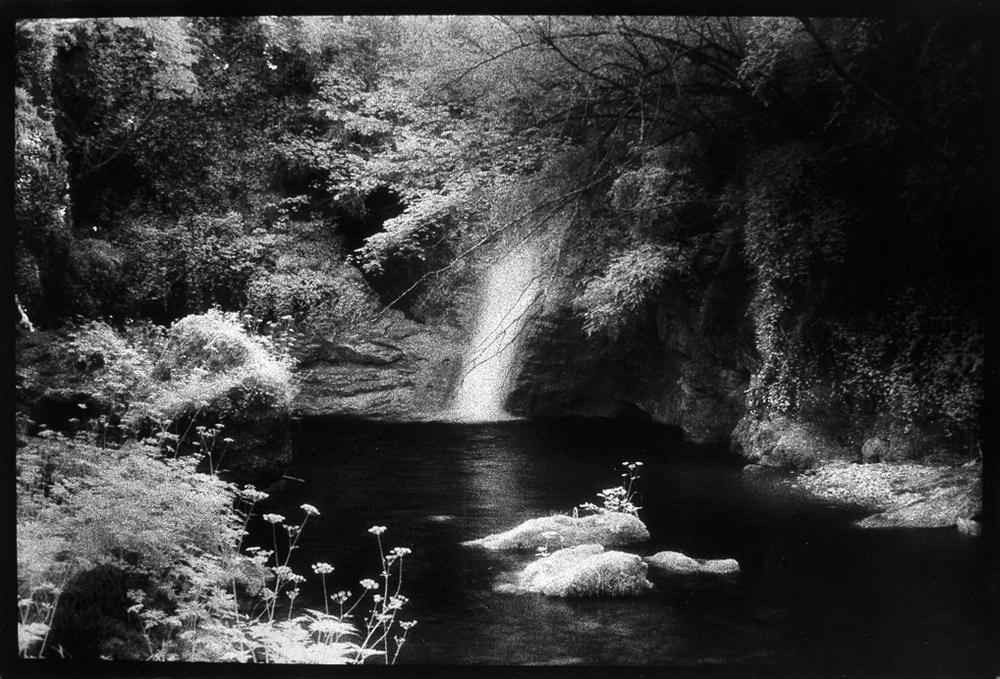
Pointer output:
x,y
827,183
837,169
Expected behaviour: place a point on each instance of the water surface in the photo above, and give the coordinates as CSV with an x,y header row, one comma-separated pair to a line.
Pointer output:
x,y
814,592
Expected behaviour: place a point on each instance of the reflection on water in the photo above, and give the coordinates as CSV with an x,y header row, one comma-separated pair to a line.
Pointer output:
x,y
813,592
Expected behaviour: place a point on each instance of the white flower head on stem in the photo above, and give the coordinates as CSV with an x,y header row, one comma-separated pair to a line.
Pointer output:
x,y
322,568
274,518
376,530
368,583
310,510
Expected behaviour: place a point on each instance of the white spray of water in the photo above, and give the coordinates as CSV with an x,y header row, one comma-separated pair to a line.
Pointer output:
x,y
508,291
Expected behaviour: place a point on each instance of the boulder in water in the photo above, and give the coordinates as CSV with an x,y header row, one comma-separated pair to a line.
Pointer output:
x,y
586,570
681,564
559,531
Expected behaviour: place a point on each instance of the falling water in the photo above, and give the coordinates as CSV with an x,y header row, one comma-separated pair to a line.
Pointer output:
x,y
509,289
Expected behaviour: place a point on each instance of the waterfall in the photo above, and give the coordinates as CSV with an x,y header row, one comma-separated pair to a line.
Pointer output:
x,y
509,289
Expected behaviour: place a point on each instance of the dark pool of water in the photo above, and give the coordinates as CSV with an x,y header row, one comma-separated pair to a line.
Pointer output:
x,y
814,592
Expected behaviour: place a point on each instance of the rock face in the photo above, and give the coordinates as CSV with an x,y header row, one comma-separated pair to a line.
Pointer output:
x,y
676,370
677,563
586,571
559,531
393,368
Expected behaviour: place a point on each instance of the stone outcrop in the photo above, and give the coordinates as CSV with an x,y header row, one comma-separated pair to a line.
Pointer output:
x,y
389,369
677,563
560,531
585,571
676,369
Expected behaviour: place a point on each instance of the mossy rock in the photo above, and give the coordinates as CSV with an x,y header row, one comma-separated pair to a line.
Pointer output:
x,y
558,531
586,571
677,563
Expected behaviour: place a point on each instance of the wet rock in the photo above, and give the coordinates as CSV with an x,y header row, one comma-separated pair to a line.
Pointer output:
x,y
674,368
362,352
561,531
389,369
585,571
681,564
901,495
938,507
969,527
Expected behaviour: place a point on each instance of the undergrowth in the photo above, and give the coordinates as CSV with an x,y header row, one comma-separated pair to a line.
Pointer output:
x,y
87,503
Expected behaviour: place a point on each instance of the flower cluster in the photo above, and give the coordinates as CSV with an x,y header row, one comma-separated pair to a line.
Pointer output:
x,y
620,498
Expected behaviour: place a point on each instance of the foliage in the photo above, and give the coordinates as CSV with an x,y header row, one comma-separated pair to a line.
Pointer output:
x,y
620,498
155,375
211,357
96,269
814,169
82,508
193,263
610,302
919,362
42,234
309,283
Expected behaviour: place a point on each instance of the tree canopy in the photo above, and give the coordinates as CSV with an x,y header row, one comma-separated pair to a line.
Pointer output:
x,y
840,170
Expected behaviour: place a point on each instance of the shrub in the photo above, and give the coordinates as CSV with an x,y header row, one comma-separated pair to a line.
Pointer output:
x,y
207,360
211,359
96,270
310,295
121,364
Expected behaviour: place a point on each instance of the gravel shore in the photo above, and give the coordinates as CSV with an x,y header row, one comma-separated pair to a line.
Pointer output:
x,y
902,495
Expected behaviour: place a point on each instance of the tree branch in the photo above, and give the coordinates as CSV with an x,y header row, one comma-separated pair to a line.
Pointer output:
x,y
881,100
128,140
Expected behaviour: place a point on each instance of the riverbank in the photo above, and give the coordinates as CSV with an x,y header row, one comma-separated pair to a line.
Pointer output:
x,y
902,495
